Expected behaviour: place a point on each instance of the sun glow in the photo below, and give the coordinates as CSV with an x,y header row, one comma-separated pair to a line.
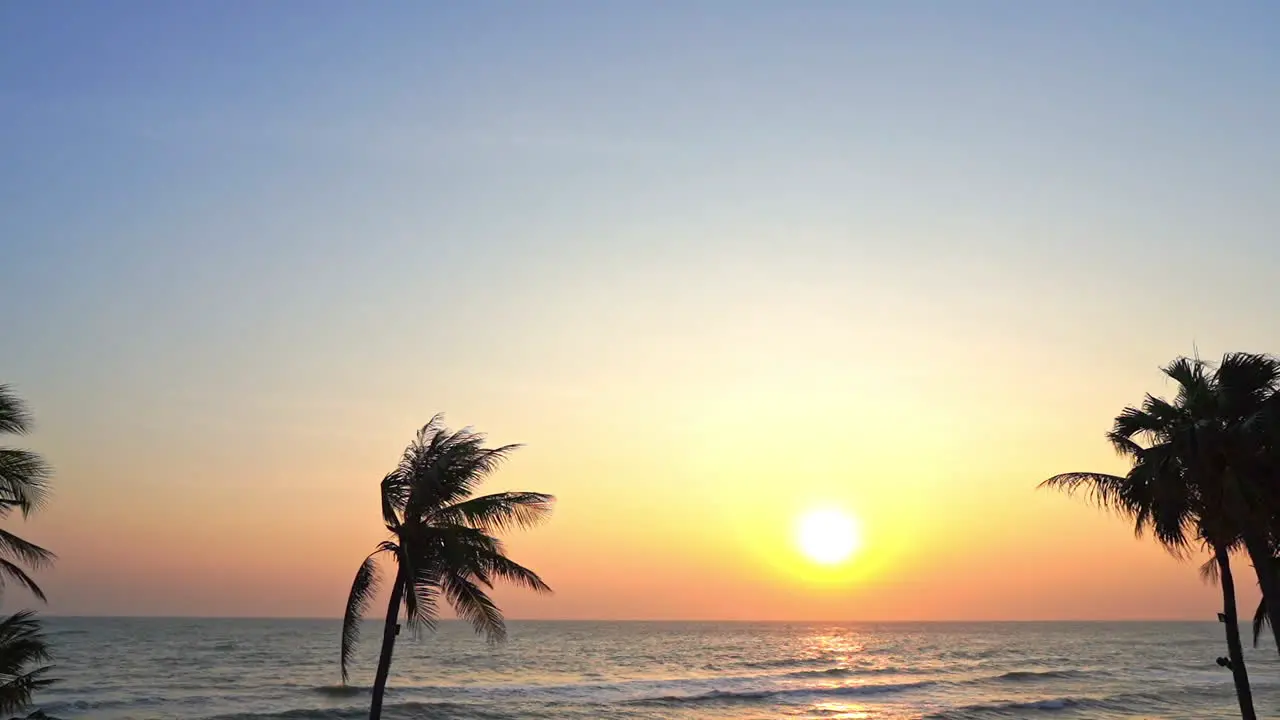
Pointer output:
x,y
828,536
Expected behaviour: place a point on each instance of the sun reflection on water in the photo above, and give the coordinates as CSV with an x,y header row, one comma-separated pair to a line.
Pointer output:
x,y
843,710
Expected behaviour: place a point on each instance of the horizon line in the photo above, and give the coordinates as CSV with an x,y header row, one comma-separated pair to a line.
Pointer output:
x,y
653,620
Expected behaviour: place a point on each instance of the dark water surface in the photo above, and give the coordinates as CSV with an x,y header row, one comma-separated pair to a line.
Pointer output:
x,y
275,669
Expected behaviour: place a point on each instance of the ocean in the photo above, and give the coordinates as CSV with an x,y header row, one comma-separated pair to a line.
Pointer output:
x,y
113,669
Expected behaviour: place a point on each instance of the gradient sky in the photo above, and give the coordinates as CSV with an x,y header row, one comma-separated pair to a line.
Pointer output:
x,y
715,263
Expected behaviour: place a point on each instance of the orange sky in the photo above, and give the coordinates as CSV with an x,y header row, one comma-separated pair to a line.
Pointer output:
x,y
677,500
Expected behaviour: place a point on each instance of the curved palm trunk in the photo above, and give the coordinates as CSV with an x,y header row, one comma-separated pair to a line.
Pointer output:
x,y
1264,565
1235,652
389,632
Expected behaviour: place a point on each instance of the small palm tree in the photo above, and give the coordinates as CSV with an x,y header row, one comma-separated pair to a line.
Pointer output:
x,y
24,478
443,543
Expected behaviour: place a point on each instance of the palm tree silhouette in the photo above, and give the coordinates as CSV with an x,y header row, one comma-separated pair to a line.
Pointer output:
x,y
443,543
24,478
1192,481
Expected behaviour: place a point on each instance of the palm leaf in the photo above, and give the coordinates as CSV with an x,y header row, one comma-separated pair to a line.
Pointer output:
x,y
421,606
453,473
1209,571
1260,621
394,495
26,552
482,556
473,605
16,692
497,512
1246,379
363,589
500,567
24,478
13,572
1106,491
21,646
15,419
419,563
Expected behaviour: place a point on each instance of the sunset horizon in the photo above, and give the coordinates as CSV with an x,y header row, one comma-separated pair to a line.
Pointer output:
x,y
792,324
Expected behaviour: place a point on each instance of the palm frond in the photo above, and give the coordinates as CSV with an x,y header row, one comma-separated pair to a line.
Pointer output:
x,y
13,572
363,590
454,474
394,495
24,478
21,642
1245,379
15,418
500,567
31,554
481,556
1191,375
1104,490
396,484
1146,422
419,562
1260,621
22,646
1209,571
497,512
422,609
17,691
1124,445
473,605
442,467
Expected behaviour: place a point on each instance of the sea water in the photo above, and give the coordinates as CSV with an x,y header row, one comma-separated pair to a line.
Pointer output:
x,y
113,669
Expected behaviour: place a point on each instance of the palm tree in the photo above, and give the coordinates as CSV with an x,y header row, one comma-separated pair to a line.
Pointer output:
x,y
1165,506
1185,485
1224,428
24,478
1239,439
24,486
443,543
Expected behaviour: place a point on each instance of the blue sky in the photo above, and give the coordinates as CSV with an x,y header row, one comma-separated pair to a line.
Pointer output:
x,y
224,221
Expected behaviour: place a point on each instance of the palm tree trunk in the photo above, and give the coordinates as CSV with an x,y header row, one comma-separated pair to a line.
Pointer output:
x,y
389,632
1235,652
1260,555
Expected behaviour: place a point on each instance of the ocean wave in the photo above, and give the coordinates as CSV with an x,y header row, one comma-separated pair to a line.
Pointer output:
x,y
1125,704
340,690
853,672
394,711
784,663
1018,709
838,672
1034,675
727,696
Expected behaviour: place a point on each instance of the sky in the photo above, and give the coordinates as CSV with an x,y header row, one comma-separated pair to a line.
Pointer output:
x,y
715,264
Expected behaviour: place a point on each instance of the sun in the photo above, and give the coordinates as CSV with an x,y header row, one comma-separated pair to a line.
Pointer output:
x,y
827,536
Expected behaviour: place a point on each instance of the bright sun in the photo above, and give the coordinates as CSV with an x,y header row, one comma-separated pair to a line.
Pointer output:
x,y
827,536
